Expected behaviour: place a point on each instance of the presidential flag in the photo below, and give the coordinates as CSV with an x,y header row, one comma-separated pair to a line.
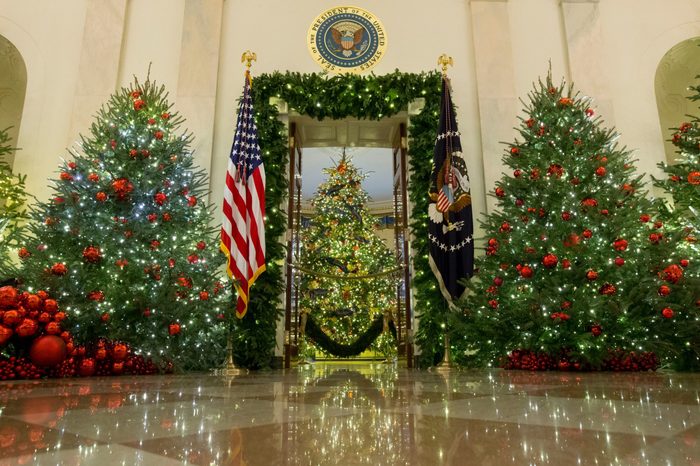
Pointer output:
x,y
243,229
450,210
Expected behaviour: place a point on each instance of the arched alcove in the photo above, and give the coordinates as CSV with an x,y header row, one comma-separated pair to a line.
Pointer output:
x,y
13,86
677,70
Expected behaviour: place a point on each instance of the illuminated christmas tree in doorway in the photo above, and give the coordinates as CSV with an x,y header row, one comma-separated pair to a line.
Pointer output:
x,y
348,286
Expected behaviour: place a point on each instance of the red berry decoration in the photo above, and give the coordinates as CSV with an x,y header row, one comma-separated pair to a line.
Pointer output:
x,y
160,198
47,351
550,261
59,269
672,274
92,254
620,244
667,312
174,329
608,289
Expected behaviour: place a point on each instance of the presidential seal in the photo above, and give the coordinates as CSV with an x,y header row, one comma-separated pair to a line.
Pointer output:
x,y
347,39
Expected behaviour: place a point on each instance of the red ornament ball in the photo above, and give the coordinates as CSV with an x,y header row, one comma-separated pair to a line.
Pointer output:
x,y
204,295
566,216
27,328
493,303
684,262
174,329
11,318
587,233
498,281
526,272
160,198
53,328
118,368
48,350
87,367
120,351
667,312
201,245
600,171
139,104
104,317
50,305
550,261
644,218
9,297
664,290
101,196
608,289
32,302
566,263
619,261
514,151
5,334
192,201
596,330
592,275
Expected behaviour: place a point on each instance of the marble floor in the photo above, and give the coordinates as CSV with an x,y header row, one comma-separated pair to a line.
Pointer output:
x,y
355,414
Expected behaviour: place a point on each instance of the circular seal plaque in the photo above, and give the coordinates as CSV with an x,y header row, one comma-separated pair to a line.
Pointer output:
x,y
347,39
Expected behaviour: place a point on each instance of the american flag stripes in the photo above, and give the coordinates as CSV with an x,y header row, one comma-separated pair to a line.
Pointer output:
x,y
243,229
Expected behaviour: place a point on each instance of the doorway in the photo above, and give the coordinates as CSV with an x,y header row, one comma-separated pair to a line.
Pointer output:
x,y
310,142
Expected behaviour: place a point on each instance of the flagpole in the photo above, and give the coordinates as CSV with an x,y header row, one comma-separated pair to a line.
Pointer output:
x,y
230,369
444,61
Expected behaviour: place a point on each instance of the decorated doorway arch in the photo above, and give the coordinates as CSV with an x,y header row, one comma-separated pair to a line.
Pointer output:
x,y
364,97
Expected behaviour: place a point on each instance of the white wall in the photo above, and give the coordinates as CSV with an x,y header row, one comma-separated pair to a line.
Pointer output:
x,y
78,51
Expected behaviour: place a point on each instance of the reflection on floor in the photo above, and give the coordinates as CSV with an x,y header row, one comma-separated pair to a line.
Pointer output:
x,y
349,414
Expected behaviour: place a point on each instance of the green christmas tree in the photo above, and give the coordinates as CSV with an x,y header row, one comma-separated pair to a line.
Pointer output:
x,y
345,287
13,213
681,295
126,242
567,249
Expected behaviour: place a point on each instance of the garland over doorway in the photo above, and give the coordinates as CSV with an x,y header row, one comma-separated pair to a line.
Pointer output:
x,y
364,97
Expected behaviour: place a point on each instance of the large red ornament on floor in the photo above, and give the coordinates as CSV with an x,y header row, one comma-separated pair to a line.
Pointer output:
x,y
47,351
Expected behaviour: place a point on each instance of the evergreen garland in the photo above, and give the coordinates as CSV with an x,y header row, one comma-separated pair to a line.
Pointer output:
x,y
320,96
323,341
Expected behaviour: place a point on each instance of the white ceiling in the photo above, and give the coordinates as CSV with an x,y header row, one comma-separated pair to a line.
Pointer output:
x,y
374,162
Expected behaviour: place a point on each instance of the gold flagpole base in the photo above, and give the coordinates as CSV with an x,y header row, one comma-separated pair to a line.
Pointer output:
x,y
446,364
230,369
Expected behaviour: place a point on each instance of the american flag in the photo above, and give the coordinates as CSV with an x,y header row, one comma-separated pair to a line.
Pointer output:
x,y
243,229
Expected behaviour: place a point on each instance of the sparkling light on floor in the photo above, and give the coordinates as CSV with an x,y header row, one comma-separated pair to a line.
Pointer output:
x,y
355,414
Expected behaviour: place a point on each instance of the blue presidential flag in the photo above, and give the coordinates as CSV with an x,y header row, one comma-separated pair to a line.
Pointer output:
x,y
450,210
